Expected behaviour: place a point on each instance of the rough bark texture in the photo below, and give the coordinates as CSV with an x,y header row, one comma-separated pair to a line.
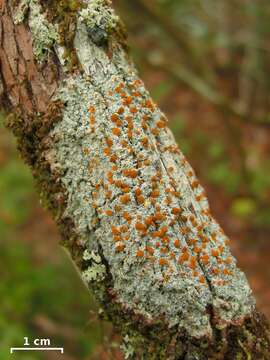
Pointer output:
x,y
131,211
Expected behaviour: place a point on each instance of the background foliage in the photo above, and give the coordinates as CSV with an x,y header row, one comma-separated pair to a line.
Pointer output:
x,y
206,63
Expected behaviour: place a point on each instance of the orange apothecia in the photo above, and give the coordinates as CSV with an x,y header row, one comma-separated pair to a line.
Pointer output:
x,y
145,142
191,241
115,119
193,262
150,250
113,158
161,124
215,252
115,231
215,270
138,191
199,197
140,199
121,110
202,279
163,230
140,226
127,100
92,120
155,193
185,230
176,211
123,228
228,261
195,184
132,173
163,262
226,272
120,247
197,249
109,142
165,239
116,131
126,189
124,199
177,243
91,109
149,221
127,216
158,217
133,110
184,257
140,253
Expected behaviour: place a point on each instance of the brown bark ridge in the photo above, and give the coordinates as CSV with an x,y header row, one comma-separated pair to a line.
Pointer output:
x,y
131,211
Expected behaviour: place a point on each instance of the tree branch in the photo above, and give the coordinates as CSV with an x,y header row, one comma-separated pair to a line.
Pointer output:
x,y
131,211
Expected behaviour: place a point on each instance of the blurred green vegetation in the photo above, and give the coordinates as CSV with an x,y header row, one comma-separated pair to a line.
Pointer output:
x,y
206,63
41,296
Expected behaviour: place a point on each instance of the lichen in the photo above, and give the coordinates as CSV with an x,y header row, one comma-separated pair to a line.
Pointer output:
x,y
127,347
94,273
44,33
170,278
100,20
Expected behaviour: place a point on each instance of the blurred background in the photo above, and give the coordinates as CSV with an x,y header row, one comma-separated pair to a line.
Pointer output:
x,y
207,64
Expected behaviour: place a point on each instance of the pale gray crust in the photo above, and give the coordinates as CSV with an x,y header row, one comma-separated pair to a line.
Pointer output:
x,y
140,283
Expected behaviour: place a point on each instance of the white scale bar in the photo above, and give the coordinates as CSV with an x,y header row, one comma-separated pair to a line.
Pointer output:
x,y
35,349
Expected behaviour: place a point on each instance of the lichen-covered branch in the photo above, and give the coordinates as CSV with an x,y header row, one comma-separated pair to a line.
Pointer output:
x,y
132,213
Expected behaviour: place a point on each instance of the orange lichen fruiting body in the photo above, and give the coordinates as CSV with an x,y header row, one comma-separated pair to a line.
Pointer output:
x,y
184,257
140,199
155,193
138,191
149,221
177,243
116,131
215,252
193,262
115,231
202,279
150,250
140,226
113,158
91,109
163,262
204,259
124,199
114,118
127,216
176,211
139,253
132,173
161,124
120,248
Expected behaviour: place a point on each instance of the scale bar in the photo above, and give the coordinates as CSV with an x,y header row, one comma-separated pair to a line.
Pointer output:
x,y
35,349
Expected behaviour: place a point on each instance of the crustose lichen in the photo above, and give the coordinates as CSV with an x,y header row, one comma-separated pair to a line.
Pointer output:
x,y
94,272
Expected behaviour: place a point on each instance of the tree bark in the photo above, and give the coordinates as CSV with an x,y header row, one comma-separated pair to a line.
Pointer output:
x,y
130,209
